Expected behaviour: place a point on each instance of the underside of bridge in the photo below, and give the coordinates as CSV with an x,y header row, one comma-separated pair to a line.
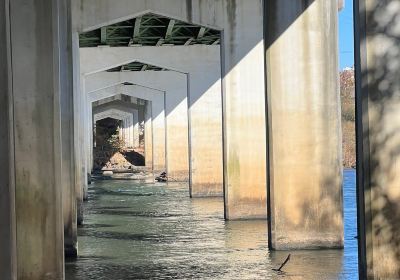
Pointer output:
x,y
235,98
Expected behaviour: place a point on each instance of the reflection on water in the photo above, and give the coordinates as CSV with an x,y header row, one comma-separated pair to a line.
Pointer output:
x,y
153,231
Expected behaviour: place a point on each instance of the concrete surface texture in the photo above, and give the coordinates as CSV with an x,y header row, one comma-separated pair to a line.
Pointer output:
x,y
304,125
242,24
205,119
378,102
7,186
37,138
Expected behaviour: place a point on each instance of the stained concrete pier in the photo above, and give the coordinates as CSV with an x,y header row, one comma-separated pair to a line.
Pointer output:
x,y
377,99
304,125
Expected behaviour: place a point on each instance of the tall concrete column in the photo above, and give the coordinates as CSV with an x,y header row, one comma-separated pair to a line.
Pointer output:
x,y
304,124
157,99
7,186
135,130
79,119
378,137
67,134
90,136
85,138
125,126
158,123
244,112
36,98
148,136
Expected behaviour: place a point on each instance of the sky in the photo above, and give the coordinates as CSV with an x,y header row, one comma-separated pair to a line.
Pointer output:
x,y
346,40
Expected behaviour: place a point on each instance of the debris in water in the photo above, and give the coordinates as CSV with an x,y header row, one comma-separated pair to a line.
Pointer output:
x,y
162,178
283,264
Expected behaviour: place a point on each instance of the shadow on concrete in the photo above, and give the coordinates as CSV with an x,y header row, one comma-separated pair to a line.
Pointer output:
x,y
378,136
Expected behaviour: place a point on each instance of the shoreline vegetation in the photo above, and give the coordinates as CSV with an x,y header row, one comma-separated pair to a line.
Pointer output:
x,y
347,97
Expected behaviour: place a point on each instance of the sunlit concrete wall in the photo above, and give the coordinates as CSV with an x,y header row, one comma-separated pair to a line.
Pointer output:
x,y
157,99
304,125
378,132
205,111
176,109
242,70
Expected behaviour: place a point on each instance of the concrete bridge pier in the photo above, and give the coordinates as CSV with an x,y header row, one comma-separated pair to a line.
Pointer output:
x,y
148,136
126,115
32,243
304,125
243,91
80,176
90,136
176,110
158,124
205,114
8,264
378,137
67,136
130,131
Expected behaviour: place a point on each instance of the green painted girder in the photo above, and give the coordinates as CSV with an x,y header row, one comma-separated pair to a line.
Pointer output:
x,y
151,30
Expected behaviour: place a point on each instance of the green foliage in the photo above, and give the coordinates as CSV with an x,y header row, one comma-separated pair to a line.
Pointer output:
x,y
347,96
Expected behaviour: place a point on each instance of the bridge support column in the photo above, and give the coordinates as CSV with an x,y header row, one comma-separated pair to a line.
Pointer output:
x,y
158,132
90,136
148,137
67,137
7,186
78,130
135,130
33,139
378,137
304,125
176,109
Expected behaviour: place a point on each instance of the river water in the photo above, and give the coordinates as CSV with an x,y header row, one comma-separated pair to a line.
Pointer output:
x,y
152,231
